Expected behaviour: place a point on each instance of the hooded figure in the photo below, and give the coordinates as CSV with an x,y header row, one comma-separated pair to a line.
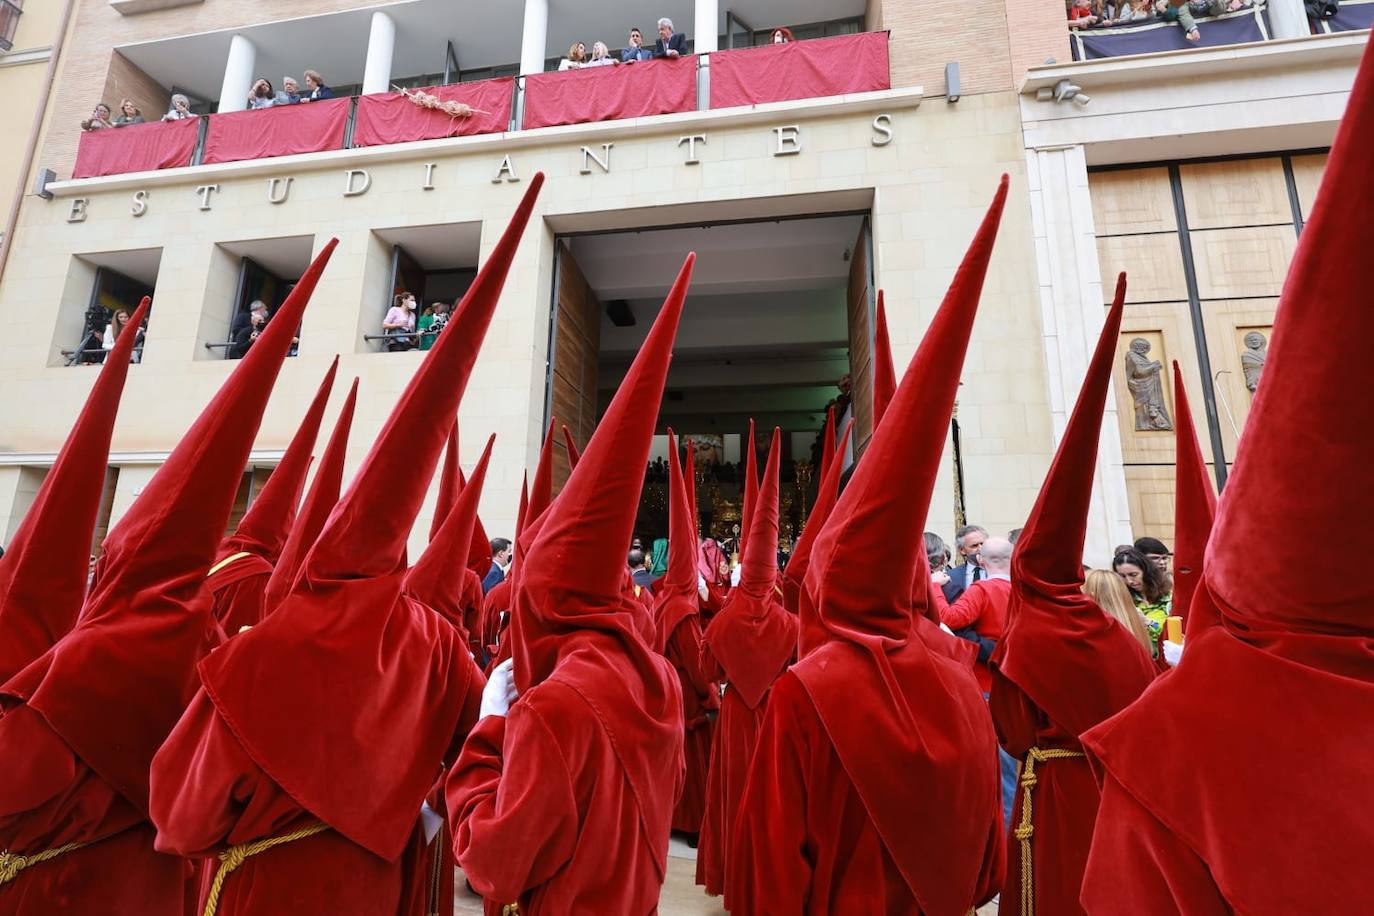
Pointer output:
x,y
311,799
678,638
1062,666
749,494
562,800
314,511
238,580
1237,784
573,452
1195,502
826,495
874,788
884,373
83,721
746,645
43,574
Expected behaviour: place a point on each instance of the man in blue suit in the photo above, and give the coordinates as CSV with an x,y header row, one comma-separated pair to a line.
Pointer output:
x,y
670,43
500,562
635,50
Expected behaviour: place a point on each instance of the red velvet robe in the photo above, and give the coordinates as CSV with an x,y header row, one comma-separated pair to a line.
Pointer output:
x,y
239,591
226,799
48,798
813,849
732,747
559,841
700,696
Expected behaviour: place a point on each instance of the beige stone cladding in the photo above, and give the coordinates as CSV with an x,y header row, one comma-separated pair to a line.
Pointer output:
x,y
928,189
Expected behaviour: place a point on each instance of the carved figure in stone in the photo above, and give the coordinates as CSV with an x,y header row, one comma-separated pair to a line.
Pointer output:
x,y
1143,380
1253,359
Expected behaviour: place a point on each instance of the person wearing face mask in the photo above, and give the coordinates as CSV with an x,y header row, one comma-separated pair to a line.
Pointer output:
x,y
782,36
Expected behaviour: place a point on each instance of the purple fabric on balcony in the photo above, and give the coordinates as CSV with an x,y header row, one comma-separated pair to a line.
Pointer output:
x,y
1351,17
800,70
1232,29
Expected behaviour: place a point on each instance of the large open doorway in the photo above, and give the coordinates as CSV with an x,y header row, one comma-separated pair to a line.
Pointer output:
x,y
778,327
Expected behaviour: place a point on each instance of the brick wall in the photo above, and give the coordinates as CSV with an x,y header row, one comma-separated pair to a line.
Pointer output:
x,y
125,80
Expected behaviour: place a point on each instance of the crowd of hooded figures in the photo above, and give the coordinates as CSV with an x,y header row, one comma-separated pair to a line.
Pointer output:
x,y
307,730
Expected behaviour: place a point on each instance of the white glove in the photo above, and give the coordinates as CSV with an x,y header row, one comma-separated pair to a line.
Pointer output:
x,y
702,591
500,691
1173,651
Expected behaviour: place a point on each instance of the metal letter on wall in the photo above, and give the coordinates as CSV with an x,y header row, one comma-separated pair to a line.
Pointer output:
x,y
204,191
588,157
882,129
692,140
351,187
506,172
275,196
140,204
789,140
77,214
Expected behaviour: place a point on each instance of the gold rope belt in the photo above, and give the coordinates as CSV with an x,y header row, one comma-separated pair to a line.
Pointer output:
x,y
226,561
1026,828
511,909
11,863
235,856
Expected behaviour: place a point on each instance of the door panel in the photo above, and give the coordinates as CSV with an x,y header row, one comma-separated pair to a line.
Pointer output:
x,y
860,309
576,346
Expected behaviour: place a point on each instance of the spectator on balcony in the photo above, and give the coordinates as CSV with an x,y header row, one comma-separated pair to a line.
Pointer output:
x,y
1081,14
431,323
670,43
782,36
576,59
1127,12
399,323
290,91
601,56
180,110
317,89
99,119
635,50
247,326
261,95
128,114
119,324
1182,12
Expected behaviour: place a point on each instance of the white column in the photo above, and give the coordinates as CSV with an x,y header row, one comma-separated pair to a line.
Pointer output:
x,y
238,74
1072,314
534,38
707,38
1288,19
381,45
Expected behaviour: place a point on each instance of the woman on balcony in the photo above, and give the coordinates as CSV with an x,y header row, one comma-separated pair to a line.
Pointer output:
x,y
601,56
180,110
128,114
261,95
399,323
317,89
576,59
99,119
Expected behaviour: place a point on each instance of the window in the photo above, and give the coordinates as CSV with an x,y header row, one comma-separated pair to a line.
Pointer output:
x,y
102,292
255,276
436,265
10,11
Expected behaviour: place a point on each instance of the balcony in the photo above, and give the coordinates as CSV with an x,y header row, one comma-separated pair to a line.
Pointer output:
x,y
458,101
1261,20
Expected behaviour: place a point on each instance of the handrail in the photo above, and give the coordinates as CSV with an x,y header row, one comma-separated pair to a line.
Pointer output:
x,y
72,356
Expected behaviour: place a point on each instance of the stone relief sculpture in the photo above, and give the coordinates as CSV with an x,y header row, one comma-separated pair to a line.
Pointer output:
x,y
1252,360
1142,378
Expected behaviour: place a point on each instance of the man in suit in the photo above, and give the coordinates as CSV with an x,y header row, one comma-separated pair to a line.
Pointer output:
x,y
670,43
635,50
968,540
639,572
500,562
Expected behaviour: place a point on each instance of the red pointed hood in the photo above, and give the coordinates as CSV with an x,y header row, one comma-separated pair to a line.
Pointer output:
x,y
541,489
450,483
872,683
43,572
361,676
148,619
435,580
800,561
319,502
266,524
570,619
884,375
1076,663
827,443
479,550
1195,502
752,637
571,446
750,490
676,593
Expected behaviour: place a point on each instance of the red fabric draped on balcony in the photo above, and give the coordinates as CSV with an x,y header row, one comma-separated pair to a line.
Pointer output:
x,y
307,128
800,70
649,87
136,148
393,118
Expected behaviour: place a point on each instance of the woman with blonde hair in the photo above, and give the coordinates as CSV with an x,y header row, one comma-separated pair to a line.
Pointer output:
x,y
1110,592
576,59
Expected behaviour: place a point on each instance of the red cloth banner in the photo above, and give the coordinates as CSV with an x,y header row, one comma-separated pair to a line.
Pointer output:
x,y
648,87
392,118
136,148
310,127
800,70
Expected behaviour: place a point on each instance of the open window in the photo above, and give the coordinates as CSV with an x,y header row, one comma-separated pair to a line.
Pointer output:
x,y
435,265
103,290
257,276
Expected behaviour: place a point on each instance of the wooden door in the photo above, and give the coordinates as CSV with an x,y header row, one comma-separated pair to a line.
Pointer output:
x,y
575,348
860,303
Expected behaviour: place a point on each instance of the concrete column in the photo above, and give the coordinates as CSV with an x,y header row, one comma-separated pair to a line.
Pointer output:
x,y
707,38
1288,19
381,45
238,74
535,36
1072,314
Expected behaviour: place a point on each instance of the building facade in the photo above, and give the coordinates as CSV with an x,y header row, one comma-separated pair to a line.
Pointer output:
x,y
806,192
